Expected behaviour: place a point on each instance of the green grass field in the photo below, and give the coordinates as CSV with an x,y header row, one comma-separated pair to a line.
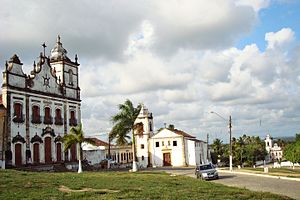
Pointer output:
x,y
115,185
284,171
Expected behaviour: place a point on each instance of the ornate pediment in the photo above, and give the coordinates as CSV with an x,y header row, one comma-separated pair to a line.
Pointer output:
x,y
48,130
58,139
36,138
18,138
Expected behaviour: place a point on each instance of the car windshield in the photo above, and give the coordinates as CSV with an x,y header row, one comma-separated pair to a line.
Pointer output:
x,y
205,167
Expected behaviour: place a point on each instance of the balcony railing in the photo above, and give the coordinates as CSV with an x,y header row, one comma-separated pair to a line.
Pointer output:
x,y
73,122
36,119
18,118
48,120
58,121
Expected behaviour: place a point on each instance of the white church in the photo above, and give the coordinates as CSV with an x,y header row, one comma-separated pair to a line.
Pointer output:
x,y
38,109
168,146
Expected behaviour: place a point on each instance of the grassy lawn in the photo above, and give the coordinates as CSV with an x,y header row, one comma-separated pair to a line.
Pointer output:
x,y
115,185
284,171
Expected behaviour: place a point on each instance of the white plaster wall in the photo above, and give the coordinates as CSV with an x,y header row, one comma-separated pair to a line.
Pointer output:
x,y
39,81
191,153
94,156
198,153
16,80
176,151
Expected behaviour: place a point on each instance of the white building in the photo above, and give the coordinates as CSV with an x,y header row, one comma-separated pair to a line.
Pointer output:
x,y
274,151
167,147
39,108
99,151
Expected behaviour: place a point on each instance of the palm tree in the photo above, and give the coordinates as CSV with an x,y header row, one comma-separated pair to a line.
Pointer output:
x,y
124,123
76,136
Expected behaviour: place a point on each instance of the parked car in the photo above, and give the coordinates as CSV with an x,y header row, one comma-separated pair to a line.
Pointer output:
x,y
206,171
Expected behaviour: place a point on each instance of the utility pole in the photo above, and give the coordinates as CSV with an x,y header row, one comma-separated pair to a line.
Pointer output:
x,y
230,143
207,149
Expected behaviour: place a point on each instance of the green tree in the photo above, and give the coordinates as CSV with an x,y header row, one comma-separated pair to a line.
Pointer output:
x,y
292,152
76,137
124,124
218,150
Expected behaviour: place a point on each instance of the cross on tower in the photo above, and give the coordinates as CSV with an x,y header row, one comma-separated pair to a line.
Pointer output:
x,y
44,46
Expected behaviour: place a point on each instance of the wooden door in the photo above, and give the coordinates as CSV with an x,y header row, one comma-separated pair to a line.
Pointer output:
x,y
18,155
36,153
58,152
48,158
167,159
73,153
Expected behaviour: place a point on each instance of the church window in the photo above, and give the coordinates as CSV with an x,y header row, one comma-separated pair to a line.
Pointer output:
x,y
47,117
70,77
36,118
18,114
162,143
142,146
174,143
156,144
143,158
58,118
72,121
169,143
150,126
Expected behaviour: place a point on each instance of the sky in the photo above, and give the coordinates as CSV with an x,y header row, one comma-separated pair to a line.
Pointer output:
x,y
182,59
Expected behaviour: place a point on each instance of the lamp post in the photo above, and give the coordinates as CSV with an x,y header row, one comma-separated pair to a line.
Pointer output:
x,y
230,135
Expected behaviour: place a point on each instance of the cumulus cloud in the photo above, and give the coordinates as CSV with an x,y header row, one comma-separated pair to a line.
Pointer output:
x,y
176,57
280,38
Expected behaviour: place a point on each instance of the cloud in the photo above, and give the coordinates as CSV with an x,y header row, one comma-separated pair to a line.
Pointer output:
x,y
176,57
280,38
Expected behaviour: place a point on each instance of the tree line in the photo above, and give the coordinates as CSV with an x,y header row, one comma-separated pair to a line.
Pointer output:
x,y
246,150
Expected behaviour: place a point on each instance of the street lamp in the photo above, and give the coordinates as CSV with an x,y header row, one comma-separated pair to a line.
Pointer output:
x,y
230,133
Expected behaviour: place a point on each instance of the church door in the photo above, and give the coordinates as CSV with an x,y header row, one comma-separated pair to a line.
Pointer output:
x,y
36,153
48,159
58,152
18,155
73,153
167,159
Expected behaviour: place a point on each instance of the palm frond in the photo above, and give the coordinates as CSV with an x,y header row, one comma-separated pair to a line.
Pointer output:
x,y
69,140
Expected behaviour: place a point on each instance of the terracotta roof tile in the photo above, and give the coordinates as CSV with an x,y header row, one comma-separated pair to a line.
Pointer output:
x,y
99,142
179,132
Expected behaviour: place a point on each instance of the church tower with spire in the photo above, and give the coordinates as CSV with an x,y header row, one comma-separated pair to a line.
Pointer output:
x,y
143,132
65,70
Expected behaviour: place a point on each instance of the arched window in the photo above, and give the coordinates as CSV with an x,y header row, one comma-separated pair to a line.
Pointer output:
x,y
150,126
73,121
47,117
58,118
36,114
18,113
70,77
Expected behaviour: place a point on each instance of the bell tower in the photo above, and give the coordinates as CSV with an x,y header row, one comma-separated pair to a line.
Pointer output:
x,y
65,69
143,132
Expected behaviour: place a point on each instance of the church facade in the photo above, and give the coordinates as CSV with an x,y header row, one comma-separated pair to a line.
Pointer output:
x,y
39,108
166,147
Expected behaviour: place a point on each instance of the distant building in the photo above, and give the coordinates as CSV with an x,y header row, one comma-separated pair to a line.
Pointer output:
x,y
99,151
274,151
39,108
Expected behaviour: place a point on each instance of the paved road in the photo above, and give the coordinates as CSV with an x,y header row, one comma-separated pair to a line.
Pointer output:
x,y
255,183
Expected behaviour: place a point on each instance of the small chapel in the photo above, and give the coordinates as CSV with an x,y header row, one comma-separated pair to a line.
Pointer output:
x,y
38,109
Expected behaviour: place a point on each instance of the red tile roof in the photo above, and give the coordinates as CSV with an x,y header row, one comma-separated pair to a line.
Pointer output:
x,y
179,132
99,142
